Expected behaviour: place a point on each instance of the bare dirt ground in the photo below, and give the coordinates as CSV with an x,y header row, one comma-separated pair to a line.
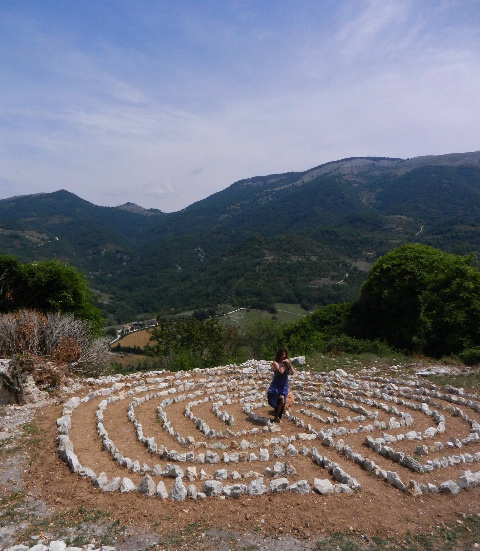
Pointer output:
x,y
41,500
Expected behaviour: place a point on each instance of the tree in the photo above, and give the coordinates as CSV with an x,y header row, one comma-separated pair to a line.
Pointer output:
x,y
263,337
188,343
47,286
420,299
314,330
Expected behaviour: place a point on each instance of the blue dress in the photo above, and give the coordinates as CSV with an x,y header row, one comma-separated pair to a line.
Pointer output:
x,y
278,387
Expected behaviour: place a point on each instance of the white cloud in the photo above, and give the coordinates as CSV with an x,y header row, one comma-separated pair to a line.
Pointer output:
x,y
170,120
381,23
158,189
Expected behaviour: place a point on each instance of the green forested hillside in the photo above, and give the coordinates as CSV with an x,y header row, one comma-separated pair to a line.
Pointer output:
x,y
304,237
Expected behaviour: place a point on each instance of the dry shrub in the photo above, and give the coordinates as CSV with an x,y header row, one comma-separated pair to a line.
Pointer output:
x,y
68,350
59,342
47,375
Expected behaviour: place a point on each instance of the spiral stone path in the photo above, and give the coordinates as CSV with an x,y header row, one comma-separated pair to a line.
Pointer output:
x,y
207,434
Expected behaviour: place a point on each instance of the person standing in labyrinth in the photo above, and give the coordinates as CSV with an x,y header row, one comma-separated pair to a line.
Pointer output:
x,y
278,390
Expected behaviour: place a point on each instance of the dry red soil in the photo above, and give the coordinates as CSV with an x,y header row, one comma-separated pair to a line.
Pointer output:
x,y
376,509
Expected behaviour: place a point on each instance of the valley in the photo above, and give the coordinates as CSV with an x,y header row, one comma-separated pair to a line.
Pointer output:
x,y
304,238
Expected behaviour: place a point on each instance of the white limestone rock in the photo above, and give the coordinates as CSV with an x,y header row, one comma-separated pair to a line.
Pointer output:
x,y
263,454
113,485
421,450
322,486
212,488
256,487
469,480
414,488
178,491
64,445
64,424
291,450
173,471
290,469
235,490
278,485
343,489
277,451
395,480
221,474
101,480
449,487
146,486
211,457
300,487
161,491
192,492
127,485
279,468
72,461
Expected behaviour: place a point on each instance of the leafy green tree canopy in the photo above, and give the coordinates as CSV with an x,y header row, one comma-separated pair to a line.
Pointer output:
x,y
313,331
47,286
187,343
420,299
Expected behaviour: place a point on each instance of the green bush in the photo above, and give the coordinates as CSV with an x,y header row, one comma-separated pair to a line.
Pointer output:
x,y
419,299
314,331
263,337
471,356
127,349
188,343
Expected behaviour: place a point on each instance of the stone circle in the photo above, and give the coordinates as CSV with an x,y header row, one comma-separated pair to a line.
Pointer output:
x,y
208,433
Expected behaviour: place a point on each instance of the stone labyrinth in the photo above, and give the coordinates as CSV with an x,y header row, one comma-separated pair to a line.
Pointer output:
x,y
207,433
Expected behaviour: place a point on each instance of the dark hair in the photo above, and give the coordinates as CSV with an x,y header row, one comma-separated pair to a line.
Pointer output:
x,y
280,351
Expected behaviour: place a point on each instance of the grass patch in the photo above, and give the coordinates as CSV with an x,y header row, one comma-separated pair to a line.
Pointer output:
x,y
444,537
290,313
12,509
340,541
78,527
8,446
355,362
30,436
469,381
184,536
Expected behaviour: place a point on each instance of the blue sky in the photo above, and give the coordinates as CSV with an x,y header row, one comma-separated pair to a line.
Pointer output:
x,y
163,103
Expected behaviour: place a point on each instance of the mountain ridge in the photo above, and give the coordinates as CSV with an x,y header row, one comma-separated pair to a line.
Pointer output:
x,y
261,240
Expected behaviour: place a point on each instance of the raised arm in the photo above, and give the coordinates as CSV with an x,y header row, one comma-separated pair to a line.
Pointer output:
x,y
288,364
277,367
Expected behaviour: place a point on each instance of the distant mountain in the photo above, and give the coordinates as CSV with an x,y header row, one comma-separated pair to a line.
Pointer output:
x,y
97,240
132,207
305,237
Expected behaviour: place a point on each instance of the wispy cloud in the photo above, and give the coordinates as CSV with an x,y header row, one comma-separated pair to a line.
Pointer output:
x,y
163,106
377,24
